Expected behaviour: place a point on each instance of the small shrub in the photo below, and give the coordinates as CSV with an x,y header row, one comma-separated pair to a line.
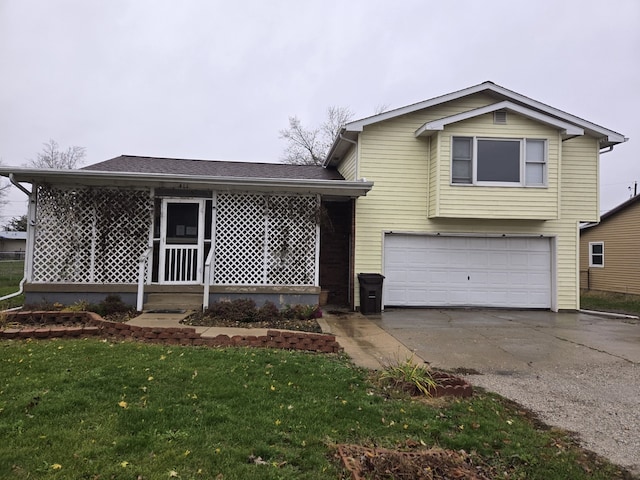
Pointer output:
x,y
114,304
239,310
408,377
301,312
268,313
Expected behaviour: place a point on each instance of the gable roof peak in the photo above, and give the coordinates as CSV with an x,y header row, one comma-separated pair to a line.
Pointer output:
x,y
349,134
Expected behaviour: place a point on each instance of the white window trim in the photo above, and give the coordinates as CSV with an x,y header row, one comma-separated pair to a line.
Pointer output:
x,y
591,254
523,163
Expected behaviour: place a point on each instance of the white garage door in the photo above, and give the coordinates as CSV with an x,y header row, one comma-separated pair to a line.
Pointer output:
x,y
467,271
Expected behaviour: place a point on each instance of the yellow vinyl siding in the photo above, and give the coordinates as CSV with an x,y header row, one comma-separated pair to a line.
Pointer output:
x,y
621,271
347,167
434,155
579,197
509,202
412,190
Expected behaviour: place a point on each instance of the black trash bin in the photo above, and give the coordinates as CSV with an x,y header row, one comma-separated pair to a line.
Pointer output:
x,y
370,293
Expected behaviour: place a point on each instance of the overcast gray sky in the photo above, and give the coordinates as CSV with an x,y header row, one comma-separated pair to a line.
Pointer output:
x,y
218,79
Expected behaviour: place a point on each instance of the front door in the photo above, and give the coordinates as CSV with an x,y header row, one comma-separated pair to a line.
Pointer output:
x,y
181,241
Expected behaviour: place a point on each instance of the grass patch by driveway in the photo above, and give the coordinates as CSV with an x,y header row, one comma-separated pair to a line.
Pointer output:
x,y
74,409
610,302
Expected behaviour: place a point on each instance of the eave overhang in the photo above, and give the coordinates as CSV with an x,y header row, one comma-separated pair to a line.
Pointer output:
x,y
567,129
606,137
337,188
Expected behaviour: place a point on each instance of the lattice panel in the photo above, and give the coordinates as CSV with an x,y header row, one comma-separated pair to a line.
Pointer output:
x,y
63,237
291,245
240,233
90,235
265,240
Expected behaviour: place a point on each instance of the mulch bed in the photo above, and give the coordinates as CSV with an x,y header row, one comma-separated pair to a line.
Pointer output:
x,y
414,463
37,321
200,320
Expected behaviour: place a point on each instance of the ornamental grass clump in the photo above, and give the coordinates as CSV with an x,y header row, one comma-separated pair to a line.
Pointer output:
x,y
408,377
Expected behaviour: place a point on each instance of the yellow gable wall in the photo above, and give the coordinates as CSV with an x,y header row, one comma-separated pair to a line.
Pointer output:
x,y
348,167
462,201
403,169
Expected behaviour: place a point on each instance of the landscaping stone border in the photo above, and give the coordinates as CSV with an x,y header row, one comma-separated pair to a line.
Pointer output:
x,y
450,385
95,325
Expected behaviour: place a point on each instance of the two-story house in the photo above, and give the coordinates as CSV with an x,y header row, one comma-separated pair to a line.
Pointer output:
x,y
477,199
469,199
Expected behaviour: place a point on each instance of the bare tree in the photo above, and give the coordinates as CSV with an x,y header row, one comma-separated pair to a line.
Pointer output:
x,y
52,156
309,146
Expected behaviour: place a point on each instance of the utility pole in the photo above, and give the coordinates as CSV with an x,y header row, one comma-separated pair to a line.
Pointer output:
x,y
635,189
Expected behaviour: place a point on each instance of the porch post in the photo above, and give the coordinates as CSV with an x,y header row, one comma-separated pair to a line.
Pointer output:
x,y
317,260
31,233
208,269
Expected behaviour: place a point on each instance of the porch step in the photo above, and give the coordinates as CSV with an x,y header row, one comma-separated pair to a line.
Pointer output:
x,y
173,301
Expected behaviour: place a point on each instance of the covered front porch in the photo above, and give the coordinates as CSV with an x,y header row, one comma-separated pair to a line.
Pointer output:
x,y
150,242
165,229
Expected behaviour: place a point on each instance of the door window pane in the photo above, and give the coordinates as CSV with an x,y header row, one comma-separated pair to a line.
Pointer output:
x,y
182,223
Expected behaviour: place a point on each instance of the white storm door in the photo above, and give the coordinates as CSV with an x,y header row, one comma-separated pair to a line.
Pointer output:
x,y
181,241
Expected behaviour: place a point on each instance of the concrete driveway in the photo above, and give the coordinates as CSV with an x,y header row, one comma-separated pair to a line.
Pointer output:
x,y
494,341
577,371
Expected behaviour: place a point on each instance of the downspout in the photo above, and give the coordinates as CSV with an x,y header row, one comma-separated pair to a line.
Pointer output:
x,y
606,151
24,275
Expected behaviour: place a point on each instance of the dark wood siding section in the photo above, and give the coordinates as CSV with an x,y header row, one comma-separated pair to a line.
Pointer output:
x,y
335,232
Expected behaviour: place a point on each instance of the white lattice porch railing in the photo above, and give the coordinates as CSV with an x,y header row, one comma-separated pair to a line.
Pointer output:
x,y
90,235
266,239
97,235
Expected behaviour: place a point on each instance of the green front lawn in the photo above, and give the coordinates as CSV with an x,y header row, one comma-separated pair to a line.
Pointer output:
x,y
91,409
11,272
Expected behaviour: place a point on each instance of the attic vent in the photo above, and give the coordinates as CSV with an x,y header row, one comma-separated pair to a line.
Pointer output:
x,y
500,117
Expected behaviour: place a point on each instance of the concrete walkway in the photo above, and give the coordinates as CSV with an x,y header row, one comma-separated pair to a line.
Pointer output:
x,y
368,345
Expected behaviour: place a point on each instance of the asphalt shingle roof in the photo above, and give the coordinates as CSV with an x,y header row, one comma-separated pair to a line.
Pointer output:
x,y
214,168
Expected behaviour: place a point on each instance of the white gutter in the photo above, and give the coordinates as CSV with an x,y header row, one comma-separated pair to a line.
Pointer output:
x,y
166,180
13,180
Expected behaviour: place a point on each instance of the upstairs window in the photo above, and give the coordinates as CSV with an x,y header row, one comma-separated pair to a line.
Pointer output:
x,y
596,254
497,161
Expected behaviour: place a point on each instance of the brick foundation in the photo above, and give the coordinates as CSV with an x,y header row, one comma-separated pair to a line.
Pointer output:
x,y
93,325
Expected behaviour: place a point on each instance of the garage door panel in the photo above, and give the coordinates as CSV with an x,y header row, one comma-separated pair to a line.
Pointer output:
x,y
467,271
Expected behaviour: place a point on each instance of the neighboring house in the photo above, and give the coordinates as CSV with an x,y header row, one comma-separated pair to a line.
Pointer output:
x,y
610,250
195,230
469,199
12,245
477,200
